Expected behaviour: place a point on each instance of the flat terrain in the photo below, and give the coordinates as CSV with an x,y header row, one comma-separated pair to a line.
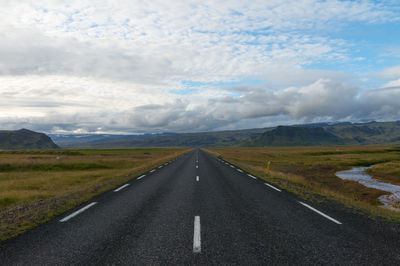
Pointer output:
x,y
309,172
199,210
36,185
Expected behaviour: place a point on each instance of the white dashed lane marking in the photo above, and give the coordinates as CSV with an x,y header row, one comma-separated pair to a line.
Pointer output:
x,y
320,213
196,235
121,187
140,177
271,186
72,215
252,176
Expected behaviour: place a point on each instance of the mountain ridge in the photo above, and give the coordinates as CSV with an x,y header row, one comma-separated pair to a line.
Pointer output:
x,y
344,133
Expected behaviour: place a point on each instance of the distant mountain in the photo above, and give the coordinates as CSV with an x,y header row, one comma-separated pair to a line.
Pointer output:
x,y
83,140
25,139
368,133
202,139
345,133
295,136
330,134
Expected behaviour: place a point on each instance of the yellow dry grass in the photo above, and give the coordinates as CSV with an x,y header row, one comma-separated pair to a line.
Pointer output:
x,y
35,186
309,172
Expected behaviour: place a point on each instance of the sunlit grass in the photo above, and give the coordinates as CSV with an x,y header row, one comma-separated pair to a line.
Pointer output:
x,y
36,185
310,171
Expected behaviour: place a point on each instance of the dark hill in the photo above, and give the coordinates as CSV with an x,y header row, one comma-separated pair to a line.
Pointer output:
x,y
295,136
24,139
369,133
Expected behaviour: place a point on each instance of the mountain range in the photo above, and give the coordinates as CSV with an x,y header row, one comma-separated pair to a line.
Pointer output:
x,y
296,135
371,133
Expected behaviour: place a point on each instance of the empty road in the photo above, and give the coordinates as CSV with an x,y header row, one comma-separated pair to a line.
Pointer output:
x,y
199,210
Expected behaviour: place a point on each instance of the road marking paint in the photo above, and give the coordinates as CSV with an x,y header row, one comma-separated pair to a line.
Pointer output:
x,y
197,178
196,235
78,212
271,186
152,171
160,166
252,176
121,187
140,177
232,166
197,166
320,213
240,170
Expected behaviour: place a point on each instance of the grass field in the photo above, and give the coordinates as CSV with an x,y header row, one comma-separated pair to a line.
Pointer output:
x,y
37,185
309,172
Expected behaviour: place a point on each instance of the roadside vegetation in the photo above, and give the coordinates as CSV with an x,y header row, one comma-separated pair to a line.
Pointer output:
x,y
37,185
309,172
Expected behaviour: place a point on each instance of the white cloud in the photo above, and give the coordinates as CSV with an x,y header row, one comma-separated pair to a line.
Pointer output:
x,y
390,73
83,65
393,83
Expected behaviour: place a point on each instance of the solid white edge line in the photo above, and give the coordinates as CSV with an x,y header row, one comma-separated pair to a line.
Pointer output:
x,y
271,186
77,212
240,170
320,213
196,235
197,178
140,177
252,176
121,187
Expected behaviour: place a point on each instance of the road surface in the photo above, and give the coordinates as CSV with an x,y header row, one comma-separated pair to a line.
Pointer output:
x,y
199,210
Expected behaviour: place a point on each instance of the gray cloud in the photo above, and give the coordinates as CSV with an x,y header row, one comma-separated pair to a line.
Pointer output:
x,y
105,67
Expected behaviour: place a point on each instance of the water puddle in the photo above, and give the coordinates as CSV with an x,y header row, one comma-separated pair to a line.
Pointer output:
x,y
358,174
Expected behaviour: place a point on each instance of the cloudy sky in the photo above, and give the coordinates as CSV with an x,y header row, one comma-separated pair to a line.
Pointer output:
x,y
185,65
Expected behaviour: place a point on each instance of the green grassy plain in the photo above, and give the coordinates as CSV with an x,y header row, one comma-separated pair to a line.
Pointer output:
x,y
309,172
37,185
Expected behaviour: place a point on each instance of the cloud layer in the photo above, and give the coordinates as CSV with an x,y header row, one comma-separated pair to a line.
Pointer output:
x,y
118,66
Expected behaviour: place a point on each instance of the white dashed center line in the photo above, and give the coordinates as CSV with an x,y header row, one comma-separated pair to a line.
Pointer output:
x,y
197,166
197,178
240,170
320,213
78,212
140,177
152,171
196,235
121,187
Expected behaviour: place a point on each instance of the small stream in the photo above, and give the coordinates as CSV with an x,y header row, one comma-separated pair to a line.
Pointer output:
x,y
358,174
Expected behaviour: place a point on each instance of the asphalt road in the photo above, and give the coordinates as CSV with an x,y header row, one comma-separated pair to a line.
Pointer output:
x,y
199,210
